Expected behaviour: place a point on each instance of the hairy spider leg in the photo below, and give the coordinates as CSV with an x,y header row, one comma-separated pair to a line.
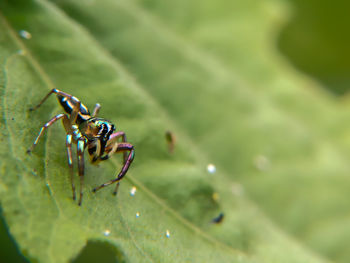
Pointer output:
x,y
67,123
43,128
112,142
58,92
96,110
127,162
121,148
70,161
80,153
69,141
80,147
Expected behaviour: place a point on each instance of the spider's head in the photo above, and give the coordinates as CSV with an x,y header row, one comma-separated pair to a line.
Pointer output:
x,y
97,131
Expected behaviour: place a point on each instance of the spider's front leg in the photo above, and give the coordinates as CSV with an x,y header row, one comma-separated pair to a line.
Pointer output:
x,y
96,110
43,128
121,147
112,145
66,124
80,152
70,161
57,92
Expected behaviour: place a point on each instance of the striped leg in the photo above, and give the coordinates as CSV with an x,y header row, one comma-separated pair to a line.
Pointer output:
x,y
75,108
58,92
80,153
47,125
70,161
96,110
122,147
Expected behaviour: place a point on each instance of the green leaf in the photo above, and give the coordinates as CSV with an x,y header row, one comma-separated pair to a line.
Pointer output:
x,y
155,66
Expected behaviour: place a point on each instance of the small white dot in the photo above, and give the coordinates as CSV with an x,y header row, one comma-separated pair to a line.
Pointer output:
x,y
261,162
25,34
137,215
211,168
107,232
133,191
167,234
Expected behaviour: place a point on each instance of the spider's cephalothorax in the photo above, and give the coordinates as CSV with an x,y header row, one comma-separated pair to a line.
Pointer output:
x,y
97,131
88,131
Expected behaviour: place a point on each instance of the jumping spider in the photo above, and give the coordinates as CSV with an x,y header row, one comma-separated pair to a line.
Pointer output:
x,y
87,131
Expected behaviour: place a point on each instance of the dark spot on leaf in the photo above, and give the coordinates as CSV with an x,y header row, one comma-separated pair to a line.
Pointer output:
x,y
97,251
16,212
170,138
218,219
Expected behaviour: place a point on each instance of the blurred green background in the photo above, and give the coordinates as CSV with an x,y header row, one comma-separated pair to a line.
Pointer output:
x,y
316,40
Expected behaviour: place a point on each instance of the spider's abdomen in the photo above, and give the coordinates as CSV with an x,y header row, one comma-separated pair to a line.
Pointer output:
x,y
68,105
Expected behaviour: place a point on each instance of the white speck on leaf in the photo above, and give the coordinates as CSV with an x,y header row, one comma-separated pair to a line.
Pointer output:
x,y
211,168
25,34
261,162
133,191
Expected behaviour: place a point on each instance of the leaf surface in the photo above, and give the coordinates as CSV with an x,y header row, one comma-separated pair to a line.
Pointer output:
x,y
150,77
